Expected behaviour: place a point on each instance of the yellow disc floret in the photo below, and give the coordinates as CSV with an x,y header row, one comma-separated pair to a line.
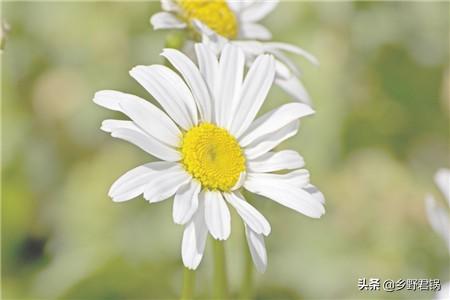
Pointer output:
x,y
214,13
212,156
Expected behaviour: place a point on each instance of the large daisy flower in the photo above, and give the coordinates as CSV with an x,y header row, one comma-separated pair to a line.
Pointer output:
x,y
438,217
219,21
210,145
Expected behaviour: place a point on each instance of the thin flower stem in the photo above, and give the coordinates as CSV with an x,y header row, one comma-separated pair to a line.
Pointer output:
x,y
188,284
220,274
246,292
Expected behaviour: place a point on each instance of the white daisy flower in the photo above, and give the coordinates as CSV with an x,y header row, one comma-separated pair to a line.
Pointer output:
x,y
231,19
211,144
219,21
438,217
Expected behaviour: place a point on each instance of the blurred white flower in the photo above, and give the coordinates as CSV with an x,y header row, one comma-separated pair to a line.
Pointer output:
x,y
210,145
231,19
218,22
438,217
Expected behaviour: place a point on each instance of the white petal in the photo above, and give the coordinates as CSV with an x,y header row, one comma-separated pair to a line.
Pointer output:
x,y
229,82
256,86
275,120
210,38
314,191
438,218
250,48
294,88
128,131
276,161
442,179
133,183
254,31
170,91
239,5
166,184
258,10
208,65
169,5
253,218
185,202
293,49
166,20
146,115
257,249
193,78
285,62
287,195
270,141
298,178
282,71
194,240
217,215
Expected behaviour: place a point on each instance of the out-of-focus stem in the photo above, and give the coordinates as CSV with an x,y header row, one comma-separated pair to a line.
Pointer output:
x,y
188,284
220,274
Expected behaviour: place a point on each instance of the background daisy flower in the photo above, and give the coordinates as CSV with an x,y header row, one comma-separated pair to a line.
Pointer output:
x,y
231,19
218,22
210,144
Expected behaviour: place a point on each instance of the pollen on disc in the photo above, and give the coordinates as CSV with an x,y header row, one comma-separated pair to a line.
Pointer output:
x,y
212,156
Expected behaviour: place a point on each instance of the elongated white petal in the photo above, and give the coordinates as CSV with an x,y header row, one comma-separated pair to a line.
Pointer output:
x,y
166,184
254,31
169,5
298,178
314,191
258,10
275,120
133,183
438,218
230,76
252,217
147,116
208,65
294,88
442,179
270,141
170,91
194,79
185,202
285,62
217,215
287,195
257,249
166,20
128,131
210,38
276,161
256,85
157,123
293,49
282,71
194,239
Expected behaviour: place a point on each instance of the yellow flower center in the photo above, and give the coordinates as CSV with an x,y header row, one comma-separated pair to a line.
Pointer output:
x,y
214,13
212,156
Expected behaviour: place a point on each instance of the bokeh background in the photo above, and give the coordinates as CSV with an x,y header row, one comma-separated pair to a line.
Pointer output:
x,y
380,133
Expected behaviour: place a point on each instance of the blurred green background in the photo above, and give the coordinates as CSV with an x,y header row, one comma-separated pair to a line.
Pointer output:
x,y
380,132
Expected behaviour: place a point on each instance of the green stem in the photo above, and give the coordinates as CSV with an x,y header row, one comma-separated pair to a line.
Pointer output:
x,y
188,284
220,274
246,292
